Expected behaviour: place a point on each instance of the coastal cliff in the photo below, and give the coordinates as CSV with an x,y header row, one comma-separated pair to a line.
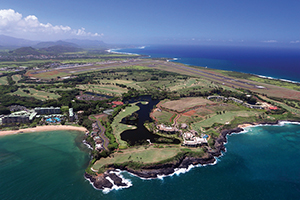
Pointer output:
x,y
110,178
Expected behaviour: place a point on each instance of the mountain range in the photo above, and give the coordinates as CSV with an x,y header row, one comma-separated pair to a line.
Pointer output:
x,y
7,42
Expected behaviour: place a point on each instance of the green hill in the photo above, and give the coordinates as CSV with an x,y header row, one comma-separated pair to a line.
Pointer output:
x,y
26,51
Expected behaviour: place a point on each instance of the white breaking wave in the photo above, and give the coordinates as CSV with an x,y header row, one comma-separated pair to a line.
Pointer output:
x,y
115,187
89,146
178,171
272,78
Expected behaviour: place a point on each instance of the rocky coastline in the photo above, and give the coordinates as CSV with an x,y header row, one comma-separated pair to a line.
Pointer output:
x,y
109,179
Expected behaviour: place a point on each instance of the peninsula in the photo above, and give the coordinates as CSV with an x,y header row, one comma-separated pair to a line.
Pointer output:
x,y
150,117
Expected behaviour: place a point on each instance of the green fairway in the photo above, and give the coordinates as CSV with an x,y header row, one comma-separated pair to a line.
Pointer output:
x,y
225,118
139,154
16,78
3,80
163,116
128,83
119,128
103,89
42,95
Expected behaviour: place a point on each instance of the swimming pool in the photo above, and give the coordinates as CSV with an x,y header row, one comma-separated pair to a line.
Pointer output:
x,y
53,119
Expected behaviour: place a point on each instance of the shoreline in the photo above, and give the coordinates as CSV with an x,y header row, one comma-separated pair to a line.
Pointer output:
x,y
181,166
44,129
177,60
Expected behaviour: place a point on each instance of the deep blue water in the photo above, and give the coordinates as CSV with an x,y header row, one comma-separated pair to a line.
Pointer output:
x,y
279,63
260,164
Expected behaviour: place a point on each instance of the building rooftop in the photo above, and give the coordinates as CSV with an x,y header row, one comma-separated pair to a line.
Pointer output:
x,y
71,113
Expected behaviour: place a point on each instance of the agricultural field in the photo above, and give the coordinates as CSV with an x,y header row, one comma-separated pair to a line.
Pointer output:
x,y
30,92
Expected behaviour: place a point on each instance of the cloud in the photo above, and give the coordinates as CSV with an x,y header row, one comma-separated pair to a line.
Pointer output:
x,y
13,23
270,41
295,42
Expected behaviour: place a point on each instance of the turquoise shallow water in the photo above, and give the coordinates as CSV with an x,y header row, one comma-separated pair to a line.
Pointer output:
x,y
261,164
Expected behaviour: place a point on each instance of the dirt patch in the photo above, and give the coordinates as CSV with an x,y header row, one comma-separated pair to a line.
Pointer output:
x,y
102,117
189,113
186,103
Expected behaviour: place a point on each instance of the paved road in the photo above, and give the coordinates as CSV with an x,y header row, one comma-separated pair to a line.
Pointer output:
x,y
102,135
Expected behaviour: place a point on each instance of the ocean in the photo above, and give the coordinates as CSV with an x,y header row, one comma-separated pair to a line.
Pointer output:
x,y
279,63
262,163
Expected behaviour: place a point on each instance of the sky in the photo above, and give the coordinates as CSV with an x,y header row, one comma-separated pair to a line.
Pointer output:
x,y
154,21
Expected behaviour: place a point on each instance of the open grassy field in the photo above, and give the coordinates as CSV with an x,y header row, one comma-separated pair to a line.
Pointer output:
x,y
119,128
42,95
224,118
277,103
128,83
60,88
139,154
103,89
209,77
163,117
276,82
185,103
3,80
189,83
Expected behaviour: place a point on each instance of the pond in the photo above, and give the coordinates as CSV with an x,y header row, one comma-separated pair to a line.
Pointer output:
x,y
141,134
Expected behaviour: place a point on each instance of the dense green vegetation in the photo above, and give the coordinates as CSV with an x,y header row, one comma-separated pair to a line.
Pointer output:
x,y
124,83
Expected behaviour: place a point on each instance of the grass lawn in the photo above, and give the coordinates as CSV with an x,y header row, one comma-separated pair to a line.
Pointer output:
x,y
16,77
163,116
139,154
119,128
104,89
128,83
3,80
277,103
60,88
227,117
42,95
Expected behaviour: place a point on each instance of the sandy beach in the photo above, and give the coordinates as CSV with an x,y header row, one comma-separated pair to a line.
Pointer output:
x,y
43,128
246,125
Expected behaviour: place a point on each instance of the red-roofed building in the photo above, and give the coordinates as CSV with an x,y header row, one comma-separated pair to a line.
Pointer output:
x,y
118,103
273,108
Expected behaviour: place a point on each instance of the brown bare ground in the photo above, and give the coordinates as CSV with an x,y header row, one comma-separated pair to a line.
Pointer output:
x,y
185,103
103,117
189,113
